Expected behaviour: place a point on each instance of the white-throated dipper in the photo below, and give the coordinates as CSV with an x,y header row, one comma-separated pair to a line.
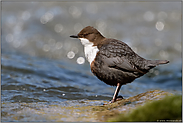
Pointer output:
x,y
113,61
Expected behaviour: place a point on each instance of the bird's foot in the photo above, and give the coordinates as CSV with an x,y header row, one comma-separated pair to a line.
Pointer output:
x,y
114,100
117,99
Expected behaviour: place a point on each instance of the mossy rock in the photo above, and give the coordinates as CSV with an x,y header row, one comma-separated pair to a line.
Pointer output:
x,y
93,110
167,109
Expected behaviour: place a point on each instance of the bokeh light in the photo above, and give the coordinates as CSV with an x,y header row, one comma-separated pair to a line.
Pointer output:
x,y
58,28
45,30
75,11
175,15
80,60
52,42
101,25
59,45
46,47
160,25
48,16
162,15
149,16
164,54
70,55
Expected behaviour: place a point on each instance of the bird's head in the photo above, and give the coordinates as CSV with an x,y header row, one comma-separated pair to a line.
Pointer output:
x,y
89,35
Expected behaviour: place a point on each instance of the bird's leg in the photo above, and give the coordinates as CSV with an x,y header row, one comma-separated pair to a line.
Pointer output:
x,y
116,93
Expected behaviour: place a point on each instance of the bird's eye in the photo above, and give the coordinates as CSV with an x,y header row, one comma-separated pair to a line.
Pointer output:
x,y
85,35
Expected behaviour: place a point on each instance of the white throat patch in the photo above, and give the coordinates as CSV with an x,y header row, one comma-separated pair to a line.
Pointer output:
x,y
89,49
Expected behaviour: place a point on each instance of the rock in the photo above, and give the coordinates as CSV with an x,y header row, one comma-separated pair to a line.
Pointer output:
x,y
167,109
93,110
131,103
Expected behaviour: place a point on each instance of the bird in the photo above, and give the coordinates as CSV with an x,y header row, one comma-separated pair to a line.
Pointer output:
x,y
113,61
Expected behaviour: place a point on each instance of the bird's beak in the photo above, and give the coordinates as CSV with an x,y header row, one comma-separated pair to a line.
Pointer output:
x,y
74,36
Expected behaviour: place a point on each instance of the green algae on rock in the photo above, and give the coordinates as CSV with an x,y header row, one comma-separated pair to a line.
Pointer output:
x,y
127,105
167,109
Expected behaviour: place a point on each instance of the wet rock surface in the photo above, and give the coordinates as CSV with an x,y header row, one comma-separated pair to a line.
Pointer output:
x,y
78,110
168,109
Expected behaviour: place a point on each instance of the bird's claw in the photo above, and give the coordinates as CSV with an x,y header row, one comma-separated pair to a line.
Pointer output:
x,y
112,101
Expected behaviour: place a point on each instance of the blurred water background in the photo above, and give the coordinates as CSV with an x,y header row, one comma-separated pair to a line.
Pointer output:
x,y
40,63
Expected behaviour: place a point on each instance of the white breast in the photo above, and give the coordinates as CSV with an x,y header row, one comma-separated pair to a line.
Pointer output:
x,y
89,49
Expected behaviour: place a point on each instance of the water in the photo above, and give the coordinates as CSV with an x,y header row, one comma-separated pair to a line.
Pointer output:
x,y
41,65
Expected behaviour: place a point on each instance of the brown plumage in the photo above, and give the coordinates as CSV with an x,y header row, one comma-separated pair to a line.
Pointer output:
x,y
114,62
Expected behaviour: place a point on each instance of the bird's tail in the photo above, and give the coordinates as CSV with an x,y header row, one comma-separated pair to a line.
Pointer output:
x,y
154,63
157,62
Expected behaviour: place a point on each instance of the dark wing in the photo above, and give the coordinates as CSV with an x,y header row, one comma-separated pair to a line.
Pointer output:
x,y
119,56
121,63
113,48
